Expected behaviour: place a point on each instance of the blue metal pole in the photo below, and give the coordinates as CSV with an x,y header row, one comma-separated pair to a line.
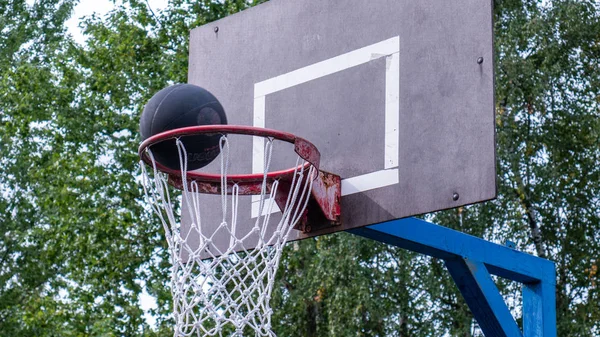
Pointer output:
x,y
539,308
470,261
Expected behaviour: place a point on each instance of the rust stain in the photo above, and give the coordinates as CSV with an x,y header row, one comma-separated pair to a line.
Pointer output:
x,y
327,191
244,188
307,151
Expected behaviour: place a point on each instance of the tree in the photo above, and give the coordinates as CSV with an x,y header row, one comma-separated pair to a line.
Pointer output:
x,y
549,144
78,246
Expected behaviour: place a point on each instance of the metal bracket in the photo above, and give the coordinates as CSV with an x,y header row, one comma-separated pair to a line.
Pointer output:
x,y
324,208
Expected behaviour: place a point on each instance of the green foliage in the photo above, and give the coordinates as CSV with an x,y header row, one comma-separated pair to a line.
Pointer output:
x,y
77,245
71,244
549,145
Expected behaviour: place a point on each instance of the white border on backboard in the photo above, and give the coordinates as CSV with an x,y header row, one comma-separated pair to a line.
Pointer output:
x,y
390,49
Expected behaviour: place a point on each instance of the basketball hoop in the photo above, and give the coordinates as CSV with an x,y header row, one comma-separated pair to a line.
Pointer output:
x,y
226,290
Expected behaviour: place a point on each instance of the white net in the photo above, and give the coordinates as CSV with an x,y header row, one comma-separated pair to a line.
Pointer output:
x,y
225,292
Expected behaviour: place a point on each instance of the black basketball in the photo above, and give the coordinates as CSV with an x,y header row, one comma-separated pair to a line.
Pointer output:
x,y
179,106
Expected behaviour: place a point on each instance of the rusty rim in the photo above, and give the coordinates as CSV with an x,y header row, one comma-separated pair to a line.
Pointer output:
x,y
249,183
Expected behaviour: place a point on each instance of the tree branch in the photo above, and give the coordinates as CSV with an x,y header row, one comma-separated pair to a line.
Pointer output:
x,y
530,211
153,15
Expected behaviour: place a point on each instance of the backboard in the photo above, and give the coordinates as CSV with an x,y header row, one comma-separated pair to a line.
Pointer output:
x,y
398,95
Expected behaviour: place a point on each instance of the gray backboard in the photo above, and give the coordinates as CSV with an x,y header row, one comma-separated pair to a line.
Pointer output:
x,y
398,95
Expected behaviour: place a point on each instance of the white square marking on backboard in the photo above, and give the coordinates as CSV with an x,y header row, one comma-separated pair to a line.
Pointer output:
x,y
390,49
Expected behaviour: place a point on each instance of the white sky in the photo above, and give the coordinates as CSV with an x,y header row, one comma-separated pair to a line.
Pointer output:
x,y
101,7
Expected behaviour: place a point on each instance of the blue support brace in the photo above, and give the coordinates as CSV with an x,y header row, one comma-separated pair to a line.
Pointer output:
x,y
483,298
470,261
539,302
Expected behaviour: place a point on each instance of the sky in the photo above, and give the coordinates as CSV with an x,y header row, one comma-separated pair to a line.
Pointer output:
x,y
101,7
